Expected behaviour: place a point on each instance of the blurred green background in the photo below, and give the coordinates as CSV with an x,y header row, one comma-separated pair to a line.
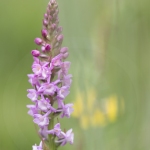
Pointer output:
x,y
109,43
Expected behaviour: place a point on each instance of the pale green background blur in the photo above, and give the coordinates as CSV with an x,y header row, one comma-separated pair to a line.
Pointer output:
x,y
109,43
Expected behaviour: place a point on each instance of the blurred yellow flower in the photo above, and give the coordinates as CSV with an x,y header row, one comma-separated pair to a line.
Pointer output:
x,y
112,108
98,118
91,98
88,112
78,105
84,121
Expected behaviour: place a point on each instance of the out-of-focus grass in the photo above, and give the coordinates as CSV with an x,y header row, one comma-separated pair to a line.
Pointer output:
x,y
109,50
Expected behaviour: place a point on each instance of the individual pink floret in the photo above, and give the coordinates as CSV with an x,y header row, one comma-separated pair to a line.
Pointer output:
x,y
56,61
66,137
32,110
35,147
67,110
47,89
44,105
32,94
37,69
56,131
41,120
63,92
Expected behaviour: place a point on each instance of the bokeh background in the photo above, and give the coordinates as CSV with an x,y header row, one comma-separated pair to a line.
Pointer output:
x,y
109,43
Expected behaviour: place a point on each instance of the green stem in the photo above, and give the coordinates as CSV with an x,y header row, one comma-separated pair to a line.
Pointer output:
x,y
51,137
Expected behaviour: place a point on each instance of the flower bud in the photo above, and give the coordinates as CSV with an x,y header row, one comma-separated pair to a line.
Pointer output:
x,y
49,5
57,21
45,16
52,2
55,15
35,53
45,22
47,47
55,6
60,38
38,41
57,11
64,49
43,48
44,33
48,11
65,55
49,18
59,29
53,26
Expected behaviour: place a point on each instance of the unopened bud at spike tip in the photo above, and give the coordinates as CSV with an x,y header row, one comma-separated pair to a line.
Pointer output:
x,y
49,18
43,48
48,11
44,33
45,16
45,22
35,53
38,41
52,1
53,26
47,47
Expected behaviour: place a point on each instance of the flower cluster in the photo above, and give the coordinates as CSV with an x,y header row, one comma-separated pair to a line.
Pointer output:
x,y
51,83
